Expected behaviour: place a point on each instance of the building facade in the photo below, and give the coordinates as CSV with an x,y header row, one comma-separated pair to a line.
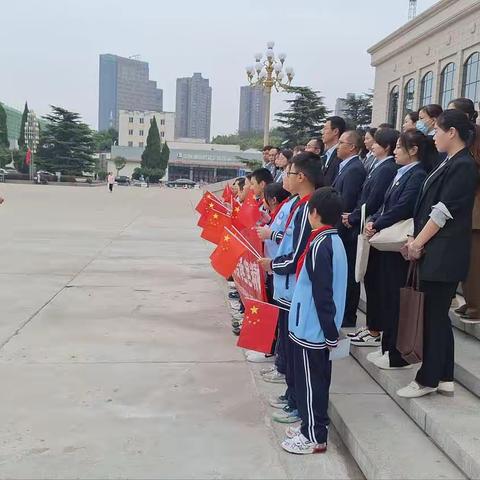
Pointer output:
x,y
193,107
252,109
124,84
434,58
200,162
133,126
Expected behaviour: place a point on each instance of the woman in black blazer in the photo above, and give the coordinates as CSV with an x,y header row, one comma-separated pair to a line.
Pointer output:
x,y
441,243
414,151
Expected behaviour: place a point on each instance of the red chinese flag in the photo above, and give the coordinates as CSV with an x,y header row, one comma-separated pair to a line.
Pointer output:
x,y
259,326
225,257
249,213
28,157
227,193
209,200
214,225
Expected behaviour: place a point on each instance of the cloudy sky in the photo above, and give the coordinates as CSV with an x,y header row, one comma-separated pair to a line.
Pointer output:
x,y
50,48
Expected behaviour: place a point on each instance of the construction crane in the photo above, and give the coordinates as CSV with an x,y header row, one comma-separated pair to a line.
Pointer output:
x,y
412,9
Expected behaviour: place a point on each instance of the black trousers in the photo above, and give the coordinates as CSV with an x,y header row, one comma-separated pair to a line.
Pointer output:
x,y
313,373
269,292
288,357
373,288
110,187
282,337
353,288
438,343
393,270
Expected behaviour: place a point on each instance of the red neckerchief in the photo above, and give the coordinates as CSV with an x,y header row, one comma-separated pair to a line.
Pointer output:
x,y
312,236
277,209
302,201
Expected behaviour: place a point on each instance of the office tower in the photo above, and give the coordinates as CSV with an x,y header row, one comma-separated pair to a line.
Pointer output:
x,y
252,109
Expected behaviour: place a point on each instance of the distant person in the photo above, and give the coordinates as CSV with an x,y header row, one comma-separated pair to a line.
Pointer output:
x,y
110,181
315,145
427,116
369,140
410,121
332,131
281,163
298,149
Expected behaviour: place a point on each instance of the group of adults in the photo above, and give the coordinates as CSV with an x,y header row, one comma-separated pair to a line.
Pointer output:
x,y
429,172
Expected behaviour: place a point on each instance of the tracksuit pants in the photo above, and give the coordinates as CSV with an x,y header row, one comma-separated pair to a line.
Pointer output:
x,y
313,373
286,347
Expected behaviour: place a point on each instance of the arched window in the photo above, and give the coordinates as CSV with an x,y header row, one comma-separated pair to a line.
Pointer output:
x,y
409,96
447,85
393,105
426,90
471,78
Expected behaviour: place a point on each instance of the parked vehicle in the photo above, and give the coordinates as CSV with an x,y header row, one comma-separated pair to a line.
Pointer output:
x,y
122,180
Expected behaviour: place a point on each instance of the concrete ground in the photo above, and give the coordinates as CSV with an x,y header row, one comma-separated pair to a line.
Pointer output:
x,y
116,356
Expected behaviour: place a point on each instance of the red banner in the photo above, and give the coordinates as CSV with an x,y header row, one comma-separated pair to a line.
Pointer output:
x,y
249,277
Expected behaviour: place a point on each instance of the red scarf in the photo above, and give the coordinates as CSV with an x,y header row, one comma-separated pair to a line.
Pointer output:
x,y
302,201
277,209
312,236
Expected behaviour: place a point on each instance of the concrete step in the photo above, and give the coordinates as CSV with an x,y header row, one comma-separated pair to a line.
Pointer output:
x,y
383,440
469,329
467,361
452,423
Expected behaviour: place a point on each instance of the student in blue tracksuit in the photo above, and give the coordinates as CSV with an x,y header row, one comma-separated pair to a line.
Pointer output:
x,y
315,319
304,176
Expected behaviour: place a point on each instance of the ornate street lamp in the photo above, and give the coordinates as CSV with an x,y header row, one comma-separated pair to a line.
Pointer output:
x,y
32,137
269,72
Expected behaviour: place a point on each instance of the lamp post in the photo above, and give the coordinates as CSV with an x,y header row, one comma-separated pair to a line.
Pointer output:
x,y
32,136
269,72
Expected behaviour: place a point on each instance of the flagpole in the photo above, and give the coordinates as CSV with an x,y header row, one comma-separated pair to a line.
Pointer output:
x,y
244,243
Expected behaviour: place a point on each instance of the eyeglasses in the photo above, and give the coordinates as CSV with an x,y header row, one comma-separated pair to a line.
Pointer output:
x,y
345,143
293,173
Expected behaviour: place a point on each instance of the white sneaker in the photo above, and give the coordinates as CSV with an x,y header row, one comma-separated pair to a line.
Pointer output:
x,y
249,352
268,370
366,339
278,402
237,316
356,333
446,388
375,355
414,390
274,377
301,445
258,357
292,432
384,363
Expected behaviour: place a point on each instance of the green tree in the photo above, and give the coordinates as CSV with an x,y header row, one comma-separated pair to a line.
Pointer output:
x,y
5,156
304,118
21,138
165,157
105,139
152,160
248,141
358,110
66,144
19,160
3,128
120,163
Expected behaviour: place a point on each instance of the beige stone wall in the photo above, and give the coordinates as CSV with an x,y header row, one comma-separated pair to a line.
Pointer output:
x,y
447,32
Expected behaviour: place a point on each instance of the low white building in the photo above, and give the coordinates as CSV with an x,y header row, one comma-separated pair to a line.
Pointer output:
x,y
133,127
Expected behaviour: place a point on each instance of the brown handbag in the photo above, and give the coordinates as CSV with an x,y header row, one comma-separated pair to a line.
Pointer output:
x,y
410,325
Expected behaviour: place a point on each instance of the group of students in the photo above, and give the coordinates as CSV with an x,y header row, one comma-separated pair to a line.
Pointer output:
x,y
312,198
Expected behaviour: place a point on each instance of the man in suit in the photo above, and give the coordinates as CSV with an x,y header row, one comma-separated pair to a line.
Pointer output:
x,y
332,131
348,183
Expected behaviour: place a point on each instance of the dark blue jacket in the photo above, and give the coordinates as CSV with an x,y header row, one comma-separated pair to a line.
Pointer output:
x,y
349,182
374,189
400,199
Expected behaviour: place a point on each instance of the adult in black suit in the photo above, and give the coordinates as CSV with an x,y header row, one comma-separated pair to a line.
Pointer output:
x,y
332,131
348,183
414,151
442,238
373,194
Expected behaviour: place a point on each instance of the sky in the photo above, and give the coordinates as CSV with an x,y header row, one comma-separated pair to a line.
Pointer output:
x,y
50,48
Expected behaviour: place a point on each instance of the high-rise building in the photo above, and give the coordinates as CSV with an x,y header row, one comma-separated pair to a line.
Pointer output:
x,y
193,107
341,105
252,109
125,85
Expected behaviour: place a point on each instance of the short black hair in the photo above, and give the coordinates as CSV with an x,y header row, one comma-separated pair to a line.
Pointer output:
x,y
241,183
266,148
248,176
433,110
413,116
329,205
287,153
387,139
262,175
337,123
310,165
385,125
275,190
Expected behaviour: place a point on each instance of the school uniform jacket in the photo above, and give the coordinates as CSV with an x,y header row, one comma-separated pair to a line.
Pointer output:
x,y
292,246
453,183
374,189
400,199
277,227
318,303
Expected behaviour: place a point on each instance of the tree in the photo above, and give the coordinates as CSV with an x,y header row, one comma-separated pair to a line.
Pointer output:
x,y
165,157
358,110
105,139
3,128
66,144
304,117
120,163
21,138
153,164
5,156
248,141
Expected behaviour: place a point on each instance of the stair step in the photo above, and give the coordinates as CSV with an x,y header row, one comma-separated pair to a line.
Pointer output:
x,y
452,423
467,361
470,329
382,439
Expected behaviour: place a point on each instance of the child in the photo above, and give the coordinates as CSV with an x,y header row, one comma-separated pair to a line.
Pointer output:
x,y
304,176
315,318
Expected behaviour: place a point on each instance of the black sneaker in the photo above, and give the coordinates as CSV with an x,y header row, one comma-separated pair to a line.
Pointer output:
x,y
233,295
236,331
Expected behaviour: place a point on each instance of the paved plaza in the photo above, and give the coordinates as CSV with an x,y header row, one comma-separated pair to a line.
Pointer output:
x,y
116,356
